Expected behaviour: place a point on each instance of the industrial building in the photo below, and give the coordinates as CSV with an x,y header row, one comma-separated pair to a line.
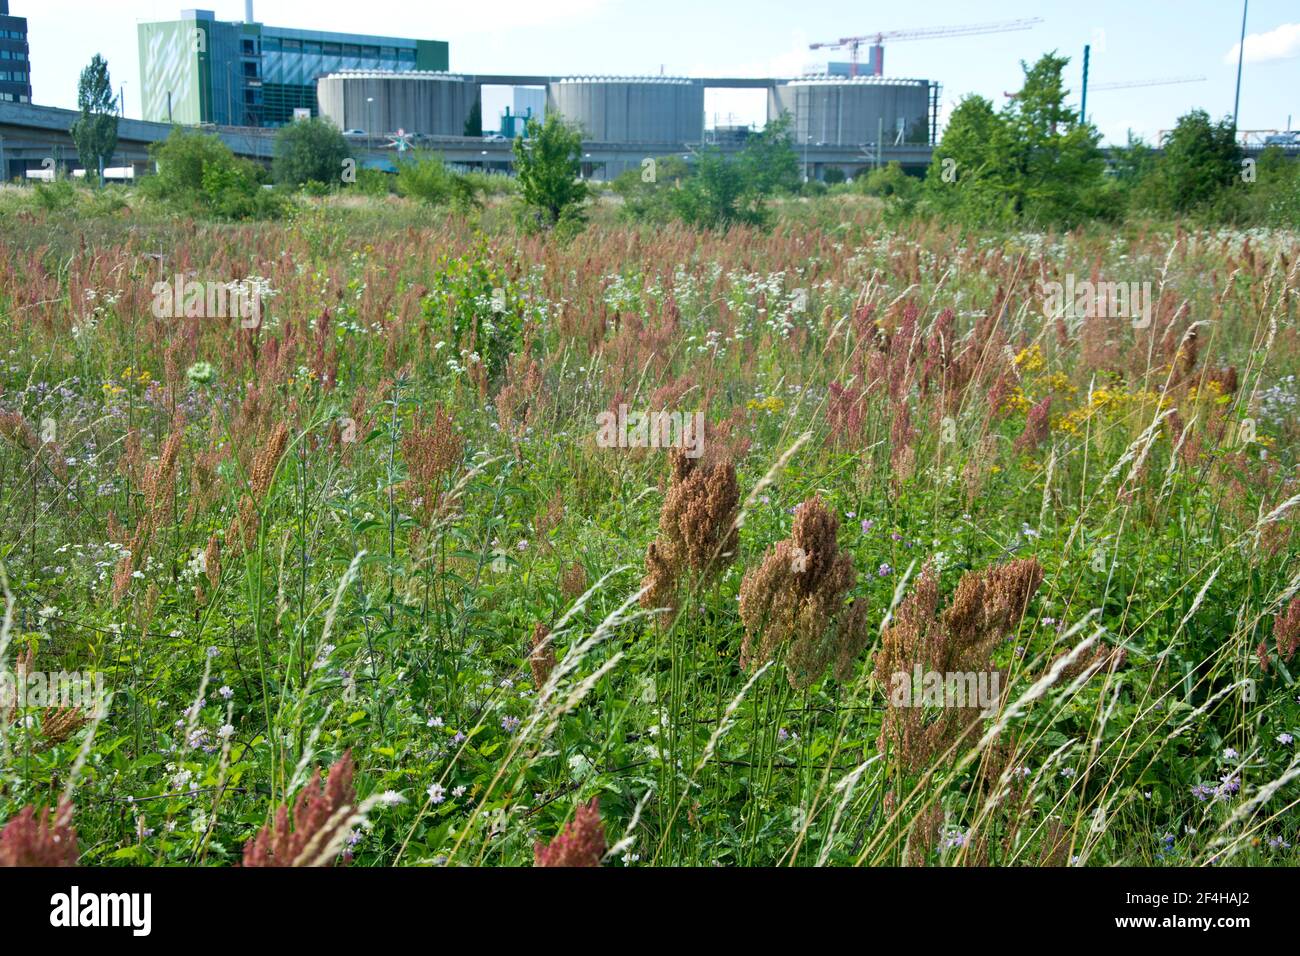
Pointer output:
x,y
15,62
847,111
418,102
631,109
526,102
198,69
850,120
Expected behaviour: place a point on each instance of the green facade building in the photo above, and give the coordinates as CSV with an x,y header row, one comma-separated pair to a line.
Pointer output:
x,y
198,69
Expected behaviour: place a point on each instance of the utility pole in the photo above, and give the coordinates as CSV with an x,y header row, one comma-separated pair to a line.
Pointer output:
x,y
1083,104
1241,54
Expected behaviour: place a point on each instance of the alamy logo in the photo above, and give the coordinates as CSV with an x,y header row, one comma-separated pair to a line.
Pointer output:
x,y
952,689
192,299
1102,300
626,429
74,909
39,689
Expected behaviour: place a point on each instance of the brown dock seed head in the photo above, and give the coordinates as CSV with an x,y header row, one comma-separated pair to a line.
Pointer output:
x,y
1036,426
432,451
580,843
574,581
60,723
542,658
1286,631
985,608
795,598
697,528
268,457
29,840
318,814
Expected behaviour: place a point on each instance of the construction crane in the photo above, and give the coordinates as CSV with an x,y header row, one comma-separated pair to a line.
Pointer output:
x,y
1130,84
925,33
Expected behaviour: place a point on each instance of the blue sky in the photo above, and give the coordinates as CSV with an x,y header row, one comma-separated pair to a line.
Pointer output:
x,y
1131,40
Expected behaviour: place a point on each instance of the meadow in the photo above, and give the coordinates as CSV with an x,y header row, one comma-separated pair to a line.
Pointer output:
x,y
364,585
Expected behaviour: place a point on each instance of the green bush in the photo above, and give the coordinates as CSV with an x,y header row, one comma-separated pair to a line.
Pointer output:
x,y
718,195
374,183
55,196
426,177
310,150
199,175
646,191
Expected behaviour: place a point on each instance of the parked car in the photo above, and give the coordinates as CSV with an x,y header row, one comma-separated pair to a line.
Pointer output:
x,y
354,132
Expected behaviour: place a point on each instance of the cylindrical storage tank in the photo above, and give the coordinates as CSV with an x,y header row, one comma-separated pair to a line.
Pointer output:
x,y
422,102
656,109
852,111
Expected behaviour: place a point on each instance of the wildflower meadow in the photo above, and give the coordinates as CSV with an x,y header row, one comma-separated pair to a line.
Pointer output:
x,y
390,537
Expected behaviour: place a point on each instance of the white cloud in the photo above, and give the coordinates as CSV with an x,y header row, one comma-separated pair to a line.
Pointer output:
x,y
1280,43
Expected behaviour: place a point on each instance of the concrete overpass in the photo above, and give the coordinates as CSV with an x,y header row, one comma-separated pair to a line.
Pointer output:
x,y
33,137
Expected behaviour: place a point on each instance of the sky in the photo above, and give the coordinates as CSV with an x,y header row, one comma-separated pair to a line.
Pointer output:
x,y
1131,40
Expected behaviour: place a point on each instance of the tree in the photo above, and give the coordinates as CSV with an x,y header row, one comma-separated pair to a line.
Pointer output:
x,y
768,160
1034,160
1056,166
968,177
310,150
1200,159
95,131
888,182
547,163
474,121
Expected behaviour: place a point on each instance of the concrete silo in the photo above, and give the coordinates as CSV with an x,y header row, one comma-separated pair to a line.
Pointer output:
x,y
853,111
380,102
652,109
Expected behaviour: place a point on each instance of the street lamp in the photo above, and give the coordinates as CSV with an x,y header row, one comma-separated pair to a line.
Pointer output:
x,y
370,123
